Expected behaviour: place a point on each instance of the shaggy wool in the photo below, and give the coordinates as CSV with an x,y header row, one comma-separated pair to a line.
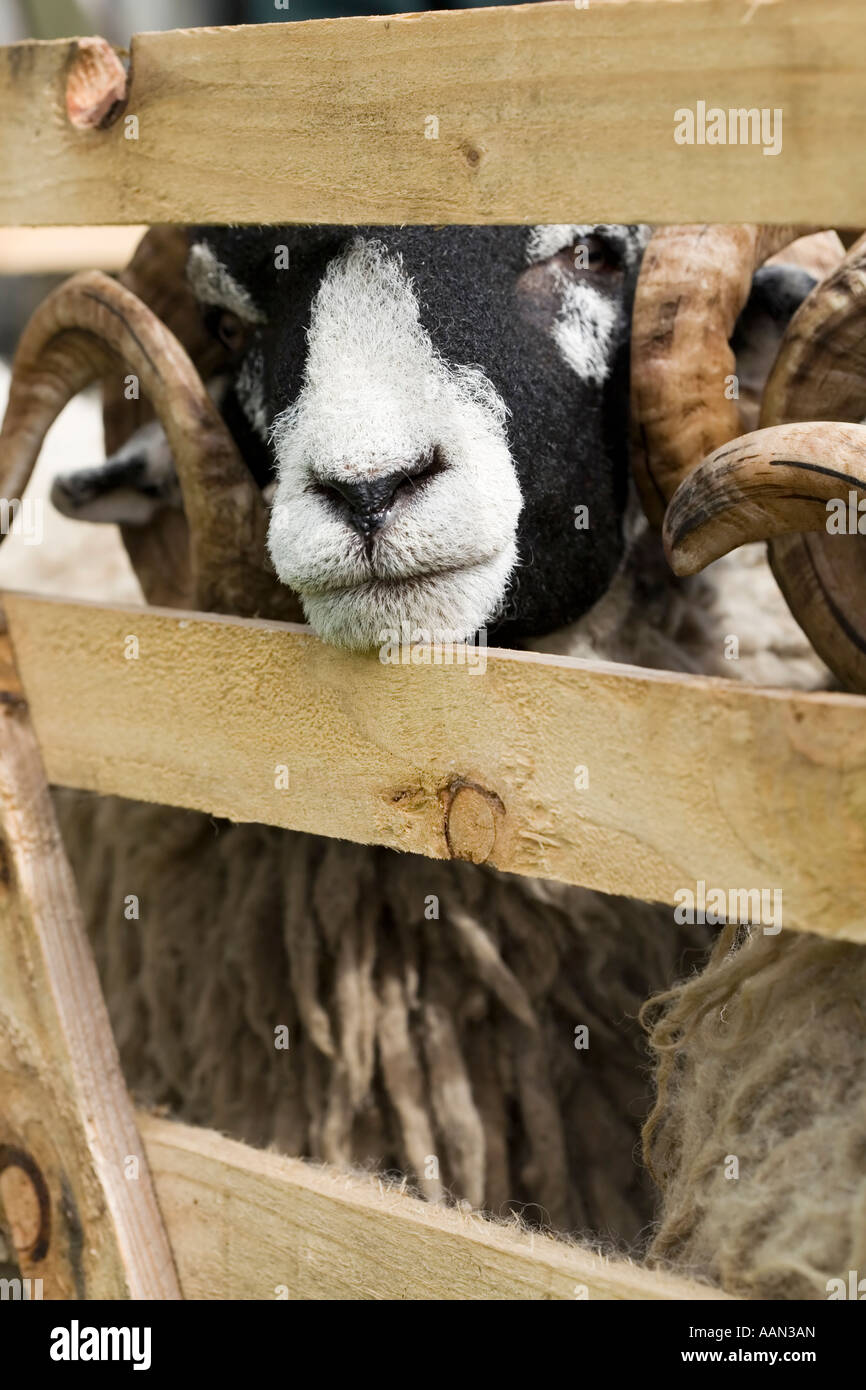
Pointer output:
x,y
758,1134
439,1046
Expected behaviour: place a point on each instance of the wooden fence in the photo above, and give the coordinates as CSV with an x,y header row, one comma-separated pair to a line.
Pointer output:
x,y
526,114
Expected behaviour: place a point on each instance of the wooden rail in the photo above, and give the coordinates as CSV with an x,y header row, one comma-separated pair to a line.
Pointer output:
x,y
74,1184
538,113
247,1224
689,778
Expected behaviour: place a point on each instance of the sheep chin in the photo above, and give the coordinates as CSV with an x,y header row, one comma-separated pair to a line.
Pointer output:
x,y
450,606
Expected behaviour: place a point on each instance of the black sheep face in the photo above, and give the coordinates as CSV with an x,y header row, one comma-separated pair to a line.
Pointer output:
x,y
447,410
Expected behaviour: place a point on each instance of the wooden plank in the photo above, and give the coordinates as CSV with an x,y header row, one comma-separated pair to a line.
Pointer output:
x,y
546,113
62,250
245,1224
74,1181
689,778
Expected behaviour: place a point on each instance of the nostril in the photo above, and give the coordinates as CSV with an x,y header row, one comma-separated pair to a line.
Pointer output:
x,y
367,503
371,497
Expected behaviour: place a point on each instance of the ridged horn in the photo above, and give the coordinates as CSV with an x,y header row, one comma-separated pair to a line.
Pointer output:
x,y
776,484
693,284
77,335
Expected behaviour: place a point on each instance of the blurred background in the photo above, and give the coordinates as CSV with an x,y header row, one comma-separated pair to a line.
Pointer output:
x,y
117,20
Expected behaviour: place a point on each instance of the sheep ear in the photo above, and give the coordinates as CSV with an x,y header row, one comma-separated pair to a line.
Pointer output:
x,y
129,489
777,292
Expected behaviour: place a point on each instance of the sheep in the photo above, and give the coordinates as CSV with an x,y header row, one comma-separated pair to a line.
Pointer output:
x,y
430,445
487,1004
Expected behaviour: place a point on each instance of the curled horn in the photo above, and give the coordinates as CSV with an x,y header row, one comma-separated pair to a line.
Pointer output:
x,y
77,335
777,482
765,484
693,284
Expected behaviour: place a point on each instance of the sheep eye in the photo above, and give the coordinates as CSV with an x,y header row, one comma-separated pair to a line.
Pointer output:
x,y
596,255
230,330
225,326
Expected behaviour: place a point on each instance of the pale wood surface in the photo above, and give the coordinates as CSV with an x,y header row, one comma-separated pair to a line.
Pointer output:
x,y
689,778
547,113
67,1128
255,1225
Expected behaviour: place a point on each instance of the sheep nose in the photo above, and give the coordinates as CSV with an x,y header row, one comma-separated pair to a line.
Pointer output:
x,y
366,505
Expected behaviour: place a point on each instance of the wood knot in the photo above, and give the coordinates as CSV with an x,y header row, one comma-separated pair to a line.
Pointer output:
x,y
471,153
96,85
471,817
26,1202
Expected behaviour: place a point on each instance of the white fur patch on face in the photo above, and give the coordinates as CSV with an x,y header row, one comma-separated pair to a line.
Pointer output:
x,y
250,391
212,283
588,321
585,330
628,242
376,399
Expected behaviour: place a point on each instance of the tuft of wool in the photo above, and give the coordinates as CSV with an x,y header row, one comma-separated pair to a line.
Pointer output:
x,y
762,1060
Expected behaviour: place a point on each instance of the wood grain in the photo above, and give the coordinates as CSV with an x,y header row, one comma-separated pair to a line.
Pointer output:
x,y
74,1181
689,778
546,113
246,1224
